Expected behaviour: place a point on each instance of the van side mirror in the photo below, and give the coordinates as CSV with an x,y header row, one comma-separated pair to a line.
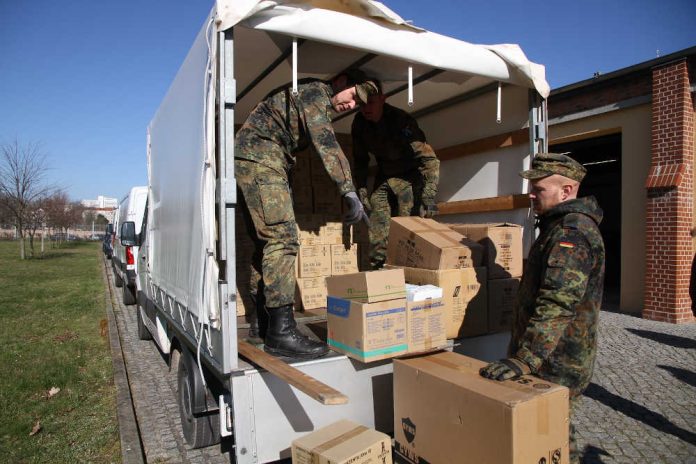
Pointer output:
x,y
128,237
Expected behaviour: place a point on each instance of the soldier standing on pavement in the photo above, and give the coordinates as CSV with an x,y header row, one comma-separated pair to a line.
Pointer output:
x,y
554,330
280,126
407,169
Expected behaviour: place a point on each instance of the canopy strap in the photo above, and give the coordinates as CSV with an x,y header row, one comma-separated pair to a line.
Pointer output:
x,y
498,117
410,86
294,66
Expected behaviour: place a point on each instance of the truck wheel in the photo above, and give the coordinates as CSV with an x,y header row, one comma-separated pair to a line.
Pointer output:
x,y
143,333
200,430
128,296
118,281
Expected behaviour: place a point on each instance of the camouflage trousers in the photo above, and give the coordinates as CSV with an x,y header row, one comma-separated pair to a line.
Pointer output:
x,y
393,197
267,198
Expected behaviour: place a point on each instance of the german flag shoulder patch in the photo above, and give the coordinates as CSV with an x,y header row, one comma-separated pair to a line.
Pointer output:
x,y
567,244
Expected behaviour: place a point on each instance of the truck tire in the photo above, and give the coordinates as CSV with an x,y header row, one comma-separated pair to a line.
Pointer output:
x,y
200,430
143,333
128,295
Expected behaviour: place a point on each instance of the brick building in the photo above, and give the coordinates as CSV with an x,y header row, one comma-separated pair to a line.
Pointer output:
x,y
634,129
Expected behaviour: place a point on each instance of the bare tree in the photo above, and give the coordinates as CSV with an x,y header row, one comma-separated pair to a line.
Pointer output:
x,y
35,219
23,169
61,213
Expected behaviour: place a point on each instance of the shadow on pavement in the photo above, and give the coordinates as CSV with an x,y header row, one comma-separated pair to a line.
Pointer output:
x,y
681,374
667,339
638,412
593,455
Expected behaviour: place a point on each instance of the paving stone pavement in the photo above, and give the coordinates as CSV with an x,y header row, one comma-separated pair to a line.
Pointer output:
x,y
639,408
641,404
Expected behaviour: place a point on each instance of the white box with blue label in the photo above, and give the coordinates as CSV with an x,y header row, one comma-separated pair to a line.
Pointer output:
x,y
367,331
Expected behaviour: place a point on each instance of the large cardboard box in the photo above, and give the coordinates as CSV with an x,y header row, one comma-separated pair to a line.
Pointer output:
x,y
502,299
367,331
425,243
343,442
344,260
464,297
502,247
446,413
368,287
311,293
314,261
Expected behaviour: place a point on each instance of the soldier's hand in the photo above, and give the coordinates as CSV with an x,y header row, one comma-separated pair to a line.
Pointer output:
x,y
505,369
354,209
365,199
428,208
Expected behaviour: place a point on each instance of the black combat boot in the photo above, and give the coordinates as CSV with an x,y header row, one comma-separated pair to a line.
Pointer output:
x,y
283,338
259,318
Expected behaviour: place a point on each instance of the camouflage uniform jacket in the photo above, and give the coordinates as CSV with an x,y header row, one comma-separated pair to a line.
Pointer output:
x,y
555,324
284,124
399,147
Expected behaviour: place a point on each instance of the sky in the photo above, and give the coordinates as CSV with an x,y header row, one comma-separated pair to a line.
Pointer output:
x,y
83,78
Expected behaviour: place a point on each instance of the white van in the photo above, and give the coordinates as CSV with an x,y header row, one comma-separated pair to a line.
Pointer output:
x,y
131,210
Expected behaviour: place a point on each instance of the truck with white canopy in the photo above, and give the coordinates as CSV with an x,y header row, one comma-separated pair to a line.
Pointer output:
x,y
481,106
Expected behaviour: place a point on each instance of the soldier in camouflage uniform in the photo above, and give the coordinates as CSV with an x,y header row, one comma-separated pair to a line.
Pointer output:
x,y
278,127
407,169
554,330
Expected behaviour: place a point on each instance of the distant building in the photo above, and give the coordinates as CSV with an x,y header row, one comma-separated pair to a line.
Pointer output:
x,y
100,203
103,206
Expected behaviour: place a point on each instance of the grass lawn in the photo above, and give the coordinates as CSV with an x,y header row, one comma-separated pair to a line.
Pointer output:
x,y
50,313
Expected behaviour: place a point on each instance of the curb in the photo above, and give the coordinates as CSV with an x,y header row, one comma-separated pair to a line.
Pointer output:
x,y
131,446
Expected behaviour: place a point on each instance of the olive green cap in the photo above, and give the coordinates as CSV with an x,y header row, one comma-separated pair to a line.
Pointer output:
x,y
365,89
547,164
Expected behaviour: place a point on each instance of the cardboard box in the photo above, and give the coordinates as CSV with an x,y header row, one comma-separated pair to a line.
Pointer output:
x,y
502,299
424,243
343,442
344,260
368,287
308,229
367,331
425,320
314,261
311,293
464,297
327,199
502,247
302,199
445,412
334,232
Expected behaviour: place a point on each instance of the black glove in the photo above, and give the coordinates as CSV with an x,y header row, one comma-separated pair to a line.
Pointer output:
x,y
365,199
354,211
505,369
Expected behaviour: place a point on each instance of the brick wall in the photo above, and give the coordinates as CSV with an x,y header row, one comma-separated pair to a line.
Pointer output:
x,y
670,198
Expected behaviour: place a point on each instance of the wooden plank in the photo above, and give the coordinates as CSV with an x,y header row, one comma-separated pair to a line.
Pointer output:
x,y
484,205
485,144
303,382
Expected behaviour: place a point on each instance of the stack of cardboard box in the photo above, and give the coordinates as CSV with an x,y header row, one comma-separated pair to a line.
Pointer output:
x,y
502,256
431,253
